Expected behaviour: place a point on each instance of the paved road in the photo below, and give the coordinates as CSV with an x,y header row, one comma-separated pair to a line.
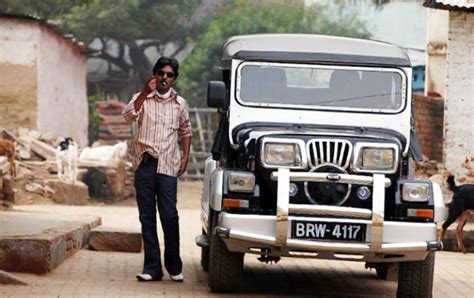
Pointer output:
x,y
111,274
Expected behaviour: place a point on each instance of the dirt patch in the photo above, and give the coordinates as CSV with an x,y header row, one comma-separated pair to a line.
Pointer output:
x,y
189,194
189,197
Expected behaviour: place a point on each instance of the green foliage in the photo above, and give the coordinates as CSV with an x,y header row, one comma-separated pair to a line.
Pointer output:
x,y
131,20
127,29
94,118
241,17
47,9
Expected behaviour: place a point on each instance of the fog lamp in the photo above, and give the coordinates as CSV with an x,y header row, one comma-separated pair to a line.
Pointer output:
x,y
241,182
415,192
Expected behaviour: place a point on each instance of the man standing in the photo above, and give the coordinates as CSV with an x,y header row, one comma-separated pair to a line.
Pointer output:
x,y
163,118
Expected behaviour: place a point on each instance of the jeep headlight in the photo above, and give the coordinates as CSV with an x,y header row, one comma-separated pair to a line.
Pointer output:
x,y
415,192
376,158
283,153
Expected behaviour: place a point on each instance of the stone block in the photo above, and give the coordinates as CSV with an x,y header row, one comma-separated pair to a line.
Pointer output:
x,y
38,243
69,194
107,183
113,239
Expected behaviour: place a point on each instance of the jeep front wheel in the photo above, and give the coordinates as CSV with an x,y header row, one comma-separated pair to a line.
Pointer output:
x,y
415,279
225,267
205,255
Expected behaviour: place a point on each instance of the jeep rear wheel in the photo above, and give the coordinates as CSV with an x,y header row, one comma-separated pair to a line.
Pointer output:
x,y
225,267
415,279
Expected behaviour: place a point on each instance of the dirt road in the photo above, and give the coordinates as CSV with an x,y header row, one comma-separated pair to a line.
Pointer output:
x,y
112,274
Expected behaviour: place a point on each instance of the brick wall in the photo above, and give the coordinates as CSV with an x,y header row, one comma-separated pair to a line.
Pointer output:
x,y
458,154
42,80
428,113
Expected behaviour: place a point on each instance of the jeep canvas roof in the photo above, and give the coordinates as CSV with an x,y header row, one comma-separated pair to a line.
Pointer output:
x,y
309,48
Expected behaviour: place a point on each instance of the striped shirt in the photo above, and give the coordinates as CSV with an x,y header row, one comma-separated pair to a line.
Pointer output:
x,y
161,122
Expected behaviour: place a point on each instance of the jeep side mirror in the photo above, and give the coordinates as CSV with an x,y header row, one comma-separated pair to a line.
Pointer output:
x,y
216,94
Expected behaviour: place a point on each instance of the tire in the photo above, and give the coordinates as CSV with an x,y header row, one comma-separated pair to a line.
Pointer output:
x,y
382,270
225,267
205,256
415,279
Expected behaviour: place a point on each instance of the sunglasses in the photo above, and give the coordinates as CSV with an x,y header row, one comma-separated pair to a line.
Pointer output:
x,y
162,73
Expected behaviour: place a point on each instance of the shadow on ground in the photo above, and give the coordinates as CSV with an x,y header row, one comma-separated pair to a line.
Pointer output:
x,y
307,280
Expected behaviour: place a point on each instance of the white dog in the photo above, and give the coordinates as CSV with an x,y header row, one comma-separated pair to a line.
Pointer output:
x,y
104,153
66,159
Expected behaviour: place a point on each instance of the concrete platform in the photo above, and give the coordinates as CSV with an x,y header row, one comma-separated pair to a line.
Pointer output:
x,y
38,242
115,239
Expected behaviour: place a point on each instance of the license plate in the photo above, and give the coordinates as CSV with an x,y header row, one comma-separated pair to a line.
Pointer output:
x,y
328,231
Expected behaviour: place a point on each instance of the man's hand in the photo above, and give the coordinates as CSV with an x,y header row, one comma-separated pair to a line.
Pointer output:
x,y
186,143
147,89
183,165
149,86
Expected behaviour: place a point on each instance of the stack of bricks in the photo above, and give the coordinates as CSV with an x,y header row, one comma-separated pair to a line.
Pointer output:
x,y
112,126
428,168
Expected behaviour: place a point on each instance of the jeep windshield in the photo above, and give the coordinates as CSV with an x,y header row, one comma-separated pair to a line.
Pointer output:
x,y
371,89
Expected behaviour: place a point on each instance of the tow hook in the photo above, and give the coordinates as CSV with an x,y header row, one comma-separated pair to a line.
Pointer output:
x,y
223,232
265,258
434,245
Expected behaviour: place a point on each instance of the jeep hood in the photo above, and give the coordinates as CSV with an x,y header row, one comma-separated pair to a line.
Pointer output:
x,y
319,122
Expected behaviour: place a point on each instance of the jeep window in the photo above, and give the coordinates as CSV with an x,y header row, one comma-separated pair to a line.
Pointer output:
x,y
318,86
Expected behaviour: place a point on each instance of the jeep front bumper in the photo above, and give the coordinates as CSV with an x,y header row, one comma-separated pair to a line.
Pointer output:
x,y
385,241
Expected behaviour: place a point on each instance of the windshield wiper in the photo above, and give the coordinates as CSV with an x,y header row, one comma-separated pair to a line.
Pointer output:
x,y
353,98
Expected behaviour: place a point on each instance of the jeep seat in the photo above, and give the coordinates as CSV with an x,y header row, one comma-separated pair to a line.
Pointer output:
x,y
343,84
263,85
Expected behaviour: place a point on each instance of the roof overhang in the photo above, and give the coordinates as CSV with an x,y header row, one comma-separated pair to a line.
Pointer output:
x,y
50,25
456,5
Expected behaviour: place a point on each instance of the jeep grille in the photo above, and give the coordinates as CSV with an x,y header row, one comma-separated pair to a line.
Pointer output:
x,y
334,151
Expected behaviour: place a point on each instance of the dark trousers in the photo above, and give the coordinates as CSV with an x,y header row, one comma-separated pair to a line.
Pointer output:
x,y
156,189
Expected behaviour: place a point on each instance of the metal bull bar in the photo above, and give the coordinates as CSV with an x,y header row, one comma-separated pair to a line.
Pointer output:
x,y
284,176
284,209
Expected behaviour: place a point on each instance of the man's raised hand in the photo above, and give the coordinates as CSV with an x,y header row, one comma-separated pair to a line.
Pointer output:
x,y
150,85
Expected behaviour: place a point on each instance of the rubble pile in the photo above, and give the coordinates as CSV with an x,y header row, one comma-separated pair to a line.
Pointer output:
x,y
428,168
37,180
6,191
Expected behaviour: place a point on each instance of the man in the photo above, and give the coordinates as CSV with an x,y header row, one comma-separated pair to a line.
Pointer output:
x,y
163,118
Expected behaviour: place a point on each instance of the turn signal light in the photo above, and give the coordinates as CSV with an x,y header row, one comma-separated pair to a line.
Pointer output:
x,y
426,213
233,203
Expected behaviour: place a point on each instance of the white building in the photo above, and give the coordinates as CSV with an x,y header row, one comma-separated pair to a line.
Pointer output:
x,y
43,79
458,147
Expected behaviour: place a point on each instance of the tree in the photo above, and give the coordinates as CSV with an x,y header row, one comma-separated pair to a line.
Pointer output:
x,y
126,30
242,17
46,9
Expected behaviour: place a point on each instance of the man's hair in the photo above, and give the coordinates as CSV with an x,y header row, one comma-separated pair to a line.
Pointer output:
x,y
163,61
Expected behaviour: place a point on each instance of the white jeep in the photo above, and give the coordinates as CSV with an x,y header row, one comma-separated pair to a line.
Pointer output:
x,y
313,158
